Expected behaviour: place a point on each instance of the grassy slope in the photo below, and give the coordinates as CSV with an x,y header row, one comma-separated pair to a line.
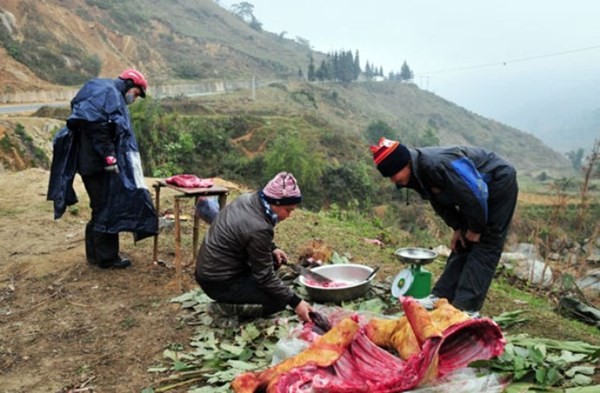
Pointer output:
x,y
203,38
347,112
346,234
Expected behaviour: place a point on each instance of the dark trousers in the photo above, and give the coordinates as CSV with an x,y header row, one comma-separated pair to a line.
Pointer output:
x,y
469,272
100,247
241,290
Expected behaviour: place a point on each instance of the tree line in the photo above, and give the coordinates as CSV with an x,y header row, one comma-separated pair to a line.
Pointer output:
x,y
343,66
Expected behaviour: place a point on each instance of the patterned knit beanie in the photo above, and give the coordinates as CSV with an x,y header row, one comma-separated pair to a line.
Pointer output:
x,y
283,190
390,156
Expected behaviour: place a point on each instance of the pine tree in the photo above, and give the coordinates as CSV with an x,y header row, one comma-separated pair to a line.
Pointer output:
x,y
311,70
357,69
406,74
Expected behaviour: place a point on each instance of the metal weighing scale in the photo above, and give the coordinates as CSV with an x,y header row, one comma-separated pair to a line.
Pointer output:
x,y
414,281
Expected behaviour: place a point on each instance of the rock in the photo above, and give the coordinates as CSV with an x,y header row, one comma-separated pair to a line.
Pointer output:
x,y
593,259
533,271
554,256
442,250
529,250
590,283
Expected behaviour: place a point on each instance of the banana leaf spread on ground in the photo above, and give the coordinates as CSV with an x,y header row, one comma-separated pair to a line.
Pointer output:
x,y
380,355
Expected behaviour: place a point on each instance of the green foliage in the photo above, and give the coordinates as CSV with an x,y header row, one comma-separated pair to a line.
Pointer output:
x,y
378,129
39,156
429,138
302,95
542,177
125,16
192,69
349,183
292,153
339,66
576,158
545,362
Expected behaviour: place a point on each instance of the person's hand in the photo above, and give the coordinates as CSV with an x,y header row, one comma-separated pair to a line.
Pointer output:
x,y
111,164
279,258
472,237
458,241
302,310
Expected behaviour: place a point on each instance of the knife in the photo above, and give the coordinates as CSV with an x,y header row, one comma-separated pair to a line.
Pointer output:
x,y
309,273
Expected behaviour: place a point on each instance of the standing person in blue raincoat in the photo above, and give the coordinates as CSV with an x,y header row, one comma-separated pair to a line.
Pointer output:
x,y
99,144
475,192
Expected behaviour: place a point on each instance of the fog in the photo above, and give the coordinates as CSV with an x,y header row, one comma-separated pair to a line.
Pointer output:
x,y
534,64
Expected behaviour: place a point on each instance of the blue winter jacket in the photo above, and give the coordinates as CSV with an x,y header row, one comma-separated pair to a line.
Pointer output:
x,y
461,183
129,206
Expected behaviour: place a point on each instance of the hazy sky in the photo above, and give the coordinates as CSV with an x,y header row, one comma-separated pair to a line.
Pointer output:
x,y
498,58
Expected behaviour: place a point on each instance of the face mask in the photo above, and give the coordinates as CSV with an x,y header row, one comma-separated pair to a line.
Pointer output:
x,y
130,98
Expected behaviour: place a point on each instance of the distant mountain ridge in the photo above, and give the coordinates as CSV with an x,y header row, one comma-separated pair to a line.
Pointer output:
x,y
188,41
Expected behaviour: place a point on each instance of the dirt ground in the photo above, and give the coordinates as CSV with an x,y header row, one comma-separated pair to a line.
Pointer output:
x,y
65,324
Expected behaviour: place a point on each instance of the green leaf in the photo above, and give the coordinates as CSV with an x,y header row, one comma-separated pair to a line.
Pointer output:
x,y
180,366
519,363
581,380
234,349
540,375
250,332
553,376
246,354
243,366
183,298
537,353
584,389
586,370
375,305
337,259
270,330
569,357
147,390
595,355
521,387
520,374
172,355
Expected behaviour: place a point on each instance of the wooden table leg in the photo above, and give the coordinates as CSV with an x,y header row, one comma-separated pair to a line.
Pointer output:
x,y
157,205
196,232
177,243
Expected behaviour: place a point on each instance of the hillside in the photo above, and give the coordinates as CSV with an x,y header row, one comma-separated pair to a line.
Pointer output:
x,y
49,48
198,40
66,42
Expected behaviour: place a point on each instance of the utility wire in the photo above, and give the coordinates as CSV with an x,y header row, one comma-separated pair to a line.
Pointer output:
x,y
504,63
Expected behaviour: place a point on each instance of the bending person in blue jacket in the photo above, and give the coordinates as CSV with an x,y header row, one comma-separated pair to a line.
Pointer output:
x,y
99,144
475,192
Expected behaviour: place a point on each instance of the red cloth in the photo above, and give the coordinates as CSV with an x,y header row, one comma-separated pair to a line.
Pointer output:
x,y
189,181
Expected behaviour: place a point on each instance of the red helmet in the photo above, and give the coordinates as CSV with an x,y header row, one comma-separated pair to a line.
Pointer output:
x,y
137,78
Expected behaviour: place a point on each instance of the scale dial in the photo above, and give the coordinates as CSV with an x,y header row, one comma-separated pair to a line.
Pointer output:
x,y
402,283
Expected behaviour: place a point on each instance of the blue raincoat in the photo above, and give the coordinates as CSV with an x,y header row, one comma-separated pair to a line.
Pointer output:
x,y
129,206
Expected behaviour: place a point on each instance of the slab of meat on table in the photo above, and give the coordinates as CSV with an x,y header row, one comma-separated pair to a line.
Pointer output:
x,y
350,358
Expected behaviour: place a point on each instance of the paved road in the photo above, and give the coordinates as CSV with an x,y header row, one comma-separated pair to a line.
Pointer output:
x,y
28,107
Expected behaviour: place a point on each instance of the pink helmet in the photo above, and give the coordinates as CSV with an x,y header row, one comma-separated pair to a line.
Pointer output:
x,y
137,78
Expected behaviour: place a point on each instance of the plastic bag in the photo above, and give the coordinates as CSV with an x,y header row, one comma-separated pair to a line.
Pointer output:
x,y
288,347
207,209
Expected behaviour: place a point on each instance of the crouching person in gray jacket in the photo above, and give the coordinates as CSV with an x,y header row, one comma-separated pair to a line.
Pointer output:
x,y
238,258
